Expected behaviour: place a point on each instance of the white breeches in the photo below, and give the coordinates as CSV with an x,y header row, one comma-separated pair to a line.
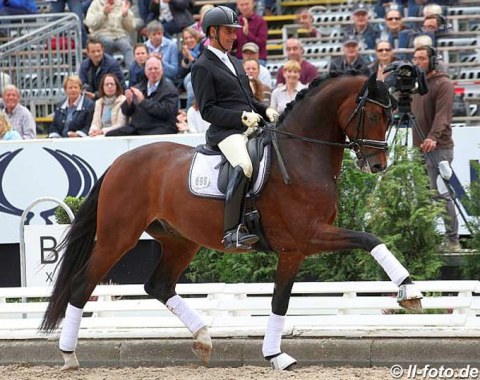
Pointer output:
x,y
234,147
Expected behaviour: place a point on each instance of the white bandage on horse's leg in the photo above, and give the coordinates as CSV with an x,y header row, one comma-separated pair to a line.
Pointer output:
x,y
390,264
70,328
190,318
273,336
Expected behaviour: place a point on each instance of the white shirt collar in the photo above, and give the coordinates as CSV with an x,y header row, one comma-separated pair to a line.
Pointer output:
x,y
223,56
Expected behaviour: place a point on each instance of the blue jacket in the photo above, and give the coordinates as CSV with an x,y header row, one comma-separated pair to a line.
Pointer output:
x,y
28,5
81,119
168,50
136,74
368,38
91,75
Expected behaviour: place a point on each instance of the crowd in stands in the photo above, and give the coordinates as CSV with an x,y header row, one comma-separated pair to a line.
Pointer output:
x,y
160,41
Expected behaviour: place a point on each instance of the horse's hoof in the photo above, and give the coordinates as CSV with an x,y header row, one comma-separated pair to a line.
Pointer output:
x,y
409,297
202,346
71,361
282,362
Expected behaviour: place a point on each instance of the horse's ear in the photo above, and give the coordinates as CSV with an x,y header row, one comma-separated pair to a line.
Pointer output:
x,y
372,84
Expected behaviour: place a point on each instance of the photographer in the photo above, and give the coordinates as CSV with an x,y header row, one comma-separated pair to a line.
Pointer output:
x,y
433,132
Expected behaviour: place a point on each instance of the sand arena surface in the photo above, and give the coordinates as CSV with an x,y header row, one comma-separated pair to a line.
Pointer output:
x,y
26,372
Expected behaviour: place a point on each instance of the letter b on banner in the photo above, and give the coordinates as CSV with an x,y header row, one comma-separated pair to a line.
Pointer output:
x,y
48,250
41,252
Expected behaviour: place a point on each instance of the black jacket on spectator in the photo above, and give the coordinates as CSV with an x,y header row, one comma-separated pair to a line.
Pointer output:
x,y
339,64
91,75
156,114
81,119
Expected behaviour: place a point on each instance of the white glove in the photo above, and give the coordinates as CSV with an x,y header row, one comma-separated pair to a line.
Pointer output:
x,y
272,114
250,119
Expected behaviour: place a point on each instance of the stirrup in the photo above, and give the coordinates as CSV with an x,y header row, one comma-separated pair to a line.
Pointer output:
x,y
239,239
282,362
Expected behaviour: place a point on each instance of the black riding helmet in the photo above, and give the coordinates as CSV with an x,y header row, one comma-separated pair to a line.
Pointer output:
x,y
220,16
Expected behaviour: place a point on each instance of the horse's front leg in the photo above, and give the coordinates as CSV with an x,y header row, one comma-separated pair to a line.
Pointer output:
x,y
287,269
331,238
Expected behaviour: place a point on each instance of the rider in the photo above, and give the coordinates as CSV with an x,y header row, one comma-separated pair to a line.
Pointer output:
x,y
225,99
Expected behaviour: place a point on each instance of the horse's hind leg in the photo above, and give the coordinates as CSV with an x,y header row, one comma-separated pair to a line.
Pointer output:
x,y
177,253
105,254
287,269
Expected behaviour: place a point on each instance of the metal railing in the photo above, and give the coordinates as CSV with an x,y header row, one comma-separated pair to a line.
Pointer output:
x,y
37,53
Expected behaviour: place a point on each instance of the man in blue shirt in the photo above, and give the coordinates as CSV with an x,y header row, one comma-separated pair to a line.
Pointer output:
x,y
163,48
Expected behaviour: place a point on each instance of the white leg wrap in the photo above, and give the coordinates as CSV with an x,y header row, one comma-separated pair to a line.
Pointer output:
x,y
70,328
273,336
190,318
390,264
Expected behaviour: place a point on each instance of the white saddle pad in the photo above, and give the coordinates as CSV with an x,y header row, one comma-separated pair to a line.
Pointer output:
x,y
203,176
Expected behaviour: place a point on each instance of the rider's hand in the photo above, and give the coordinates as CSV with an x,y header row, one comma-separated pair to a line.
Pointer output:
x,y
272,114
250,119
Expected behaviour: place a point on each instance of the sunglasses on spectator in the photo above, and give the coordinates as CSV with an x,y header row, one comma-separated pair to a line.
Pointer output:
x,y
393,18
385,49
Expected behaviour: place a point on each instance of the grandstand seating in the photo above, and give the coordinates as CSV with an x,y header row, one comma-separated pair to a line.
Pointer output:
x,y
39,70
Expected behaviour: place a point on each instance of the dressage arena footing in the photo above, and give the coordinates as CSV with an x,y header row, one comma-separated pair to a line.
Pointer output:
x,y
235,352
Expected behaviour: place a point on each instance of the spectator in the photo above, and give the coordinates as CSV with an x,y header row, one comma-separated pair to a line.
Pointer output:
x,y
364,32
163,48
385,57
108,115
351,58
382,6
151,105
191,121
192,47
74,6
73,116
287,92
111,22
6,130
294,50
174,14
261,92
250,51
93,68
393,26
198,25
137,70
18,7
305,20
254,29
433,132
195,122
19,116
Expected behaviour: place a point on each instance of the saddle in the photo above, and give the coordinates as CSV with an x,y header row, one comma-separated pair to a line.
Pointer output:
x,y
210,170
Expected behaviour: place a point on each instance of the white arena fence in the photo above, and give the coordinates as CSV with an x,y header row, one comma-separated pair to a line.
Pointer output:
x,y
330,309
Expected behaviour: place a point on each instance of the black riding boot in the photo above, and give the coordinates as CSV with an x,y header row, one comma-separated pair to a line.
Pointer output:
x,y
236,235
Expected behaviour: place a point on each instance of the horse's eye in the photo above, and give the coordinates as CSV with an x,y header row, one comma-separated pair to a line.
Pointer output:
x,y
374,117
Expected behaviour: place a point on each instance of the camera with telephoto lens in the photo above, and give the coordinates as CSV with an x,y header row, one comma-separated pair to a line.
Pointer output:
x,y
406,78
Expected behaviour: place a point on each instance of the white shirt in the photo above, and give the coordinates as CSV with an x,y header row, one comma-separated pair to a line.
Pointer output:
x,y
223,56
280,97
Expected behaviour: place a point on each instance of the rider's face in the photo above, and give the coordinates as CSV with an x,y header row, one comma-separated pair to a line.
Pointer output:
x,y
226,36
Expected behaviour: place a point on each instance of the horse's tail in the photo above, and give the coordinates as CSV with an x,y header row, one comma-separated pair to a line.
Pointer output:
x,y
78,243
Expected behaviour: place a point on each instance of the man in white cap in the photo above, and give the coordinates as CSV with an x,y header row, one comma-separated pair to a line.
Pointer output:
x,y
351,58
251,51
361,28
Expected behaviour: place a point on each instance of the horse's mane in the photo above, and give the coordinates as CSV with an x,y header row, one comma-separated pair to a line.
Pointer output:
x,y
313,85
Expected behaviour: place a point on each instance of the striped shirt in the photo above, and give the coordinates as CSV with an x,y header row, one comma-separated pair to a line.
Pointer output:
x,y
23,122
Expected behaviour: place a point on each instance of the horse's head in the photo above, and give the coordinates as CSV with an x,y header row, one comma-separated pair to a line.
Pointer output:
x,y
367,124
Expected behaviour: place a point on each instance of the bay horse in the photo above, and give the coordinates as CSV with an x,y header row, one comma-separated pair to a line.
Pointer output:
x,y
146,189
